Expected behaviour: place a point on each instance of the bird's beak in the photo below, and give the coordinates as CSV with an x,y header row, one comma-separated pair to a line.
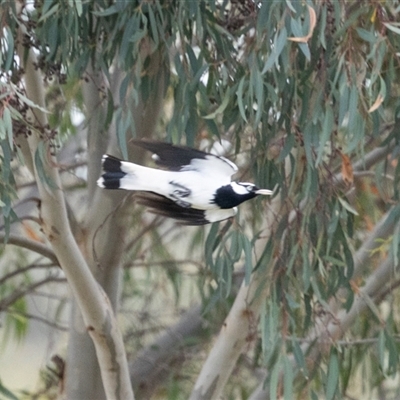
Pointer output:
x,y
264,192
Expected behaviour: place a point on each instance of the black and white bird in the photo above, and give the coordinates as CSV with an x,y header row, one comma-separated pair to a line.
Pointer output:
x,y
195,187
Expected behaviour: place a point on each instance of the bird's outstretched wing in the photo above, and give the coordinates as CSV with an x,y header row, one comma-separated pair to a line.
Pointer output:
x,y
181,158
161,205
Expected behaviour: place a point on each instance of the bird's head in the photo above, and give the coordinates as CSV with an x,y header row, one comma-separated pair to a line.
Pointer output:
x,y
235,193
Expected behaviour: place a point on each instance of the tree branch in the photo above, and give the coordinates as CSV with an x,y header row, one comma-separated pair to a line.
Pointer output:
x,y
107,246
97,137
238,329
229,344
93,303
333,330
382,230
36,247
370,159
154,362
17,294
45,321
18,271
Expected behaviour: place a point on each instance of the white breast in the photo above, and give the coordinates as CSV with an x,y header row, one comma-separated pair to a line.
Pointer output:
x,y
202,186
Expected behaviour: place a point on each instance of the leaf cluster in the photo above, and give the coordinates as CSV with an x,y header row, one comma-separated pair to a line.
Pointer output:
x,y
302,99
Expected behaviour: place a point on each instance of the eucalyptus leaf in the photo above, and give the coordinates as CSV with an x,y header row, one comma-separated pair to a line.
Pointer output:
x,y
333,375
239,94
248,258
274,381
327,129
280,41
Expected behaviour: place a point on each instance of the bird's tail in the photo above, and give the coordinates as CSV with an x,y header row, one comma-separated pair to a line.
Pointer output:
x,y
115,174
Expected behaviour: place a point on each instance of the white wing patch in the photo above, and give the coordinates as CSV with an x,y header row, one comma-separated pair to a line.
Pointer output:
x,y
212,165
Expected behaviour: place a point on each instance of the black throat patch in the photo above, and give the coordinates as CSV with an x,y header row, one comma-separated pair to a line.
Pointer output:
x,y
225,197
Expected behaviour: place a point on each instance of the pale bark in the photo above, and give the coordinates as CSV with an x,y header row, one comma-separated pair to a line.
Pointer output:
x,y
84,379
95,100
93,303
382,231
107,219
236,332
239,328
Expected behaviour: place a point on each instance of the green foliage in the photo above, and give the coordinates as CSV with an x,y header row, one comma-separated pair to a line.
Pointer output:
x,y
333,375
16,323
300,103
224,250
7,190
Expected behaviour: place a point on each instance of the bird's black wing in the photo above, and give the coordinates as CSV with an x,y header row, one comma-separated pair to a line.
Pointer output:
x,y
171,156
161,205
180,158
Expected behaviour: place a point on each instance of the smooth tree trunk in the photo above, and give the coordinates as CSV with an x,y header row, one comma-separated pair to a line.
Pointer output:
x,y
95,307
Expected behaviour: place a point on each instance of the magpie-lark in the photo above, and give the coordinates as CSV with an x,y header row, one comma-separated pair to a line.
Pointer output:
x,y
195,187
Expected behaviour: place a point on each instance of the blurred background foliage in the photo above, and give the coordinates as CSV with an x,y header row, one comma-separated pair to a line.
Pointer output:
x,y
308,96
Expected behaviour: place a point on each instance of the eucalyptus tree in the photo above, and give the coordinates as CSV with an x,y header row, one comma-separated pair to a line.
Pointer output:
x,y
293,296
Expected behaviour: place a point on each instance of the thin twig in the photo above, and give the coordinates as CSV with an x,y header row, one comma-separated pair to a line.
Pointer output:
x,y
387,290
17,294
152,225
338,342
138,264
40,319
362,174
51,296
102,225
22,270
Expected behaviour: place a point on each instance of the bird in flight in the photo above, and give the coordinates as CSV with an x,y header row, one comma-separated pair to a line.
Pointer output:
x,y
194,187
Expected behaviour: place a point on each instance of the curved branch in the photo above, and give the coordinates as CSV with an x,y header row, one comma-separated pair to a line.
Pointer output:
x,y
36,247
238,328
96,310
374,285
22,270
